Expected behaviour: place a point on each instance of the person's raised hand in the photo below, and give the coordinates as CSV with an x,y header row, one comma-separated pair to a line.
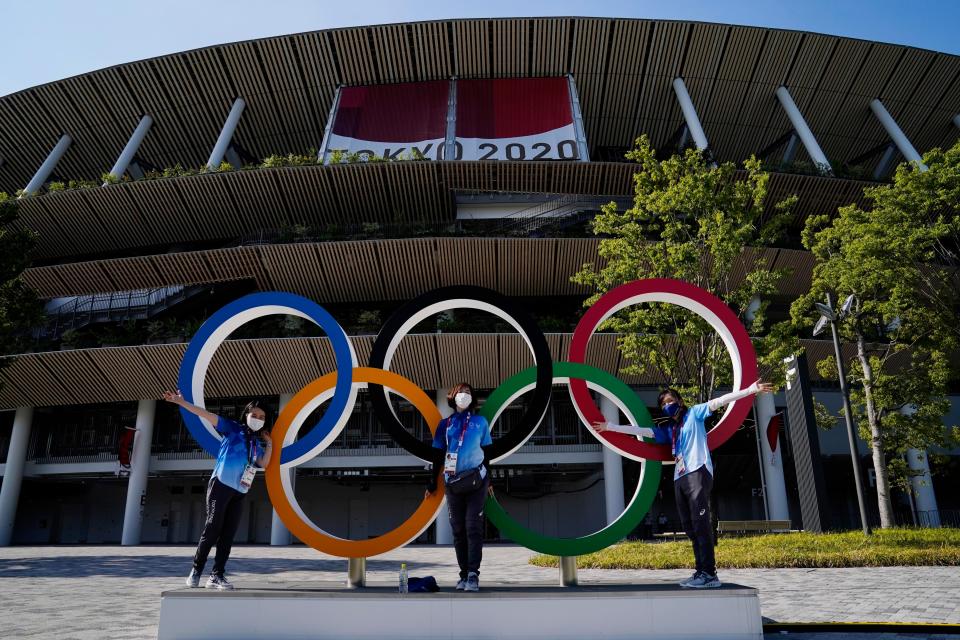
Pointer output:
x,y
599,426
175,398
764,387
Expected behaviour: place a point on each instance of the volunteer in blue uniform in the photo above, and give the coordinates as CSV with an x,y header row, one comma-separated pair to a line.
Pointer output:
x,y
462,436
243,450
686,433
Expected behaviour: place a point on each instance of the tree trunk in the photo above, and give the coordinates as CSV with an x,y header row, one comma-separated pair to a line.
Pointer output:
x,y
876,439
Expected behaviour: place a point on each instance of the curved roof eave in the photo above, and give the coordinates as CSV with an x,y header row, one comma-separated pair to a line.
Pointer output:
x,y
623,69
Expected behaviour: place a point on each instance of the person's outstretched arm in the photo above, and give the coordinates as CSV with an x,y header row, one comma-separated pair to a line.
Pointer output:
x,y
177,399
756,388
660,435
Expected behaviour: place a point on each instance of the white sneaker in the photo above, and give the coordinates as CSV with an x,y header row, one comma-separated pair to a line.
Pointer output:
x,y
704,581
461,585
686,582
193,580
218,582
473,582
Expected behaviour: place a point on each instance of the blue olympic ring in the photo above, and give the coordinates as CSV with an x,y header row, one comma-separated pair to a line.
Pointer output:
x,y
200,351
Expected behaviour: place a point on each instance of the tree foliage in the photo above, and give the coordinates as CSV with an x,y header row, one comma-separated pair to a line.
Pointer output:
x,y
901,324
696,222
19,308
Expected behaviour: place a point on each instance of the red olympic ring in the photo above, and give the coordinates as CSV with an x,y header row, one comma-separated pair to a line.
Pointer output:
x,y
691,297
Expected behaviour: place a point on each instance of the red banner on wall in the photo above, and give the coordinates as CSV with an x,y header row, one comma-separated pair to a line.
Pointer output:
x,y
495,119
394,121
515,119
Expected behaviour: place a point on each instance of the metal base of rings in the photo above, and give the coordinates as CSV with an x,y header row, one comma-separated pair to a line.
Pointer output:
x,y
356,573
568,571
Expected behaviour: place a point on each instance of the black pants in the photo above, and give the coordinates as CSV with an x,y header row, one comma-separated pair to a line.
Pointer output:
x,y
466,520
224,508
692,492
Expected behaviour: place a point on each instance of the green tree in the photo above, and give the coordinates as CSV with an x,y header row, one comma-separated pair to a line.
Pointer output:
x,y
697,222
19,308
931,198
899,323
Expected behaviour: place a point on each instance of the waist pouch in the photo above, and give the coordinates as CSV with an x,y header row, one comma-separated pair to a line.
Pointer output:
x,y
464,482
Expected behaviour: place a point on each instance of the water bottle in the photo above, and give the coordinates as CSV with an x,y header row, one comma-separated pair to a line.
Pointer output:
x,y
403,578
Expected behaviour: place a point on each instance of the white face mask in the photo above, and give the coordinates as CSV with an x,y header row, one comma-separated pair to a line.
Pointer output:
x,y
255,424
463,400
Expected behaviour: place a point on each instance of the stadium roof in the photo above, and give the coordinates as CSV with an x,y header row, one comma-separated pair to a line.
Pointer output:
x,y
623,70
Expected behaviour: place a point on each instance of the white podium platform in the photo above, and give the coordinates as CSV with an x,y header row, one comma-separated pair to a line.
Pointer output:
x,y
528,611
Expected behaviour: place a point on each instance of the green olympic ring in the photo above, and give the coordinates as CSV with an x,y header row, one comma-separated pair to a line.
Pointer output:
x,y
630,404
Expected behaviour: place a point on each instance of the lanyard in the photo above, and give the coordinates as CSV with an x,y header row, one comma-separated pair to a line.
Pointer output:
x,y
463,430
251,447
675,432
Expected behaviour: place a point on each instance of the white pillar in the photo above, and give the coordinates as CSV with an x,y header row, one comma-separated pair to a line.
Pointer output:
x,y
690,114
13,473
896,133
130,150
612,466
226,134
139,470
444,531
800,126
279,534
884,163
924,498
775,489
48,165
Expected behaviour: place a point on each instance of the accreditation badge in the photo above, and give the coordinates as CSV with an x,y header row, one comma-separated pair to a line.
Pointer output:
x,y
681,467
450,463
246,480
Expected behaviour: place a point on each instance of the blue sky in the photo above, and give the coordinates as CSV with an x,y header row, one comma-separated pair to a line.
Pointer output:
x,y
47,40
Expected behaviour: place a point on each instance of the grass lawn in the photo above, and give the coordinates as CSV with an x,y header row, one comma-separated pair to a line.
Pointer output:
x,y
886,547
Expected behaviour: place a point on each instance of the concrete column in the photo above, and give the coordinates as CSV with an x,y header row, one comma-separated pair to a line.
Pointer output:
x,y
775,489
48,165
279,534
690,114
884,164
896,133
139,469
800,126
443,530
130,150
612,466
924,498
226,134
13,473
791,150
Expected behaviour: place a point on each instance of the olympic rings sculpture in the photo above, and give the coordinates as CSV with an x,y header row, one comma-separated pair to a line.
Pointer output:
x,y
340,388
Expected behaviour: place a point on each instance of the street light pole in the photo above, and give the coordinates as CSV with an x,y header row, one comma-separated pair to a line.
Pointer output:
x,y
848,415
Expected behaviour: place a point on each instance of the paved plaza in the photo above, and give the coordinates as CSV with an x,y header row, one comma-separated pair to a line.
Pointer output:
x,y
94,592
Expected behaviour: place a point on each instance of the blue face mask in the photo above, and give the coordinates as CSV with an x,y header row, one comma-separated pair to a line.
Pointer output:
x,y
671,409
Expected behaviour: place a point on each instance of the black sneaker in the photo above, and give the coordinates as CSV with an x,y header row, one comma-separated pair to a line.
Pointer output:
x,y
218,582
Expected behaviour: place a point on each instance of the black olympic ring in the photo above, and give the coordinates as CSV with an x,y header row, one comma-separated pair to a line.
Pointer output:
x,y
443,299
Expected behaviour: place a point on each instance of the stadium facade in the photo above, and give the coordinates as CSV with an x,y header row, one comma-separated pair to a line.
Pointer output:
x,y
496,140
